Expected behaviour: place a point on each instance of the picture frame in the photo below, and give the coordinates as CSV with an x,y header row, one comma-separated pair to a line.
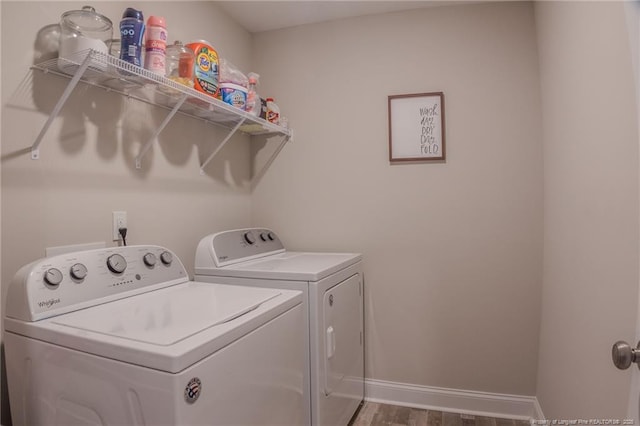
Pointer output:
x,y
417,127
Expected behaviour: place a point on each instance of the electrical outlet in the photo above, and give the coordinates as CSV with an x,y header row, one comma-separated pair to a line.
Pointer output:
x,y
119,221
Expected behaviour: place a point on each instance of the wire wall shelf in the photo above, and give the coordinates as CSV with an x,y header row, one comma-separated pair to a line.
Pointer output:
x,y
112,74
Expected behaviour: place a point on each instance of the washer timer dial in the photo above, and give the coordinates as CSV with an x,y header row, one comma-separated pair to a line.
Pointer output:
x,y
116,263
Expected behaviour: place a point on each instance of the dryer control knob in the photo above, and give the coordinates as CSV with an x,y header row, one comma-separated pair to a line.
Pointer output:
x,y
53,277
249,238
271,236
264,236
166,258
149,259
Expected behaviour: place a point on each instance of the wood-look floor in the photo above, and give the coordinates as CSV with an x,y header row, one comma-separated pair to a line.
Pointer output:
x,y
375,414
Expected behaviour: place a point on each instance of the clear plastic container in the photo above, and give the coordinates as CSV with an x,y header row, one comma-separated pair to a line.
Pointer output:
x,y
81,30
179,63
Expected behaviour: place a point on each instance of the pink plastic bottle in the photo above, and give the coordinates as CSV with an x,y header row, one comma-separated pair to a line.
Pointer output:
x,y
156,45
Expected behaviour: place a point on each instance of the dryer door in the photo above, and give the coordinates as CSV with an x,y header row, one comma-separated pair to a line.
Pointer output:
x,y
343,357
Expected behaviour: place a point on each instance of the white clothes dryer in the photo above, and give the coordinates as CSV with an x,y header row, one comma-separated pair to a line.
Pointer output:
x,y
120,336
332,284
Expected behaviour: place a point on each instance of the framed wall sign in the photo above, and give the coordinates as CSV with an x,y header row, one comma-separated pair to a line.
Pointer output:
x,y
416,127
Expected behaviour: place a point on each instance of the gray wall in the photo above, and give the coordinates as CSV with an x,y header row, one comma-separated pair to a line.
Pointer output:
x,y
453,251
590,140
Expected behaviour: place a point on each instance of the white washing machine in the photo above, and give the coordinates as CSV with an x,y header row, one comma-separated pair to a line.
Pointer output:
x,y
332,284
120,336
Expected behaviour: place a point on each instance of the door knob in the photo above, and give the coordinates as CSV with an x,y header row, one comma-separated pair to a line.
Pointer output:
x,y
624,355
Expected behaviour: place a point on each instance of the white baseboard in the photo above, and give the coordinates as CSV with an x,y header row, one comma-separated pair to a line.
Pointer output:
x,y
453,400
537,411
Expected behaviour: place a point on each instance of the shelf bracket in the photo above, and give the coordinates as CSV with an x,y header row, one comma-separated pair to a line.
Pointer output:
x,y
222,144
35,151
159,130
263,170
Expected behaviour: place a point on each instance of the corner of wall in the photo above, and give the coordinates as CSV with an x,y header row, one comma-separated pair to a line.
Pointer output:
x,y
4,408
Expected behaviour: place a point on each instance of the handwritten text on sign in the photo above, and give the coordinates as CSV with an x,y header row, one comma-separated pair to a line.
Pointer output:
x,y
416,127
428,145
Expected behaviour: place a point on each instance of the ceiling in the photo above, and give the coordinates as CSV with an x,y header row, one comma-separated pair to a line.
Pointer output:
x,y
265,15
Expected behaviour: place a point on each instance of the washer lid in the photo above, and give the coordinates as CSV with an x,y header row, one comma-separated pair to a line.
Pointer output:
x,y
169,316
167,329
291,266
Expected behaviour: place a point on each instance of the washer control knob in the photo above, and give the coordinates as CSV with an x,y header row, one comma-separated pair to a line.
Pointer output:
x,y
53,277
166,258
116,263
149,259
78,271
271,236
264,236
249,238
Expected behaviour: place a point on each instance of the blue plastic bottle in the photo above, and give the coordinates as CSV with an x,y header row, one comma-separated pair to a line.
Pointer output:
x,y
131,34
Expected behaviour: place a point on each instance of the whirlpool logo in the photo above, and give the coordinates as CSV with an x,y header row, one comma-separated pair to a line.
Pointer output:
x,y
48,303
